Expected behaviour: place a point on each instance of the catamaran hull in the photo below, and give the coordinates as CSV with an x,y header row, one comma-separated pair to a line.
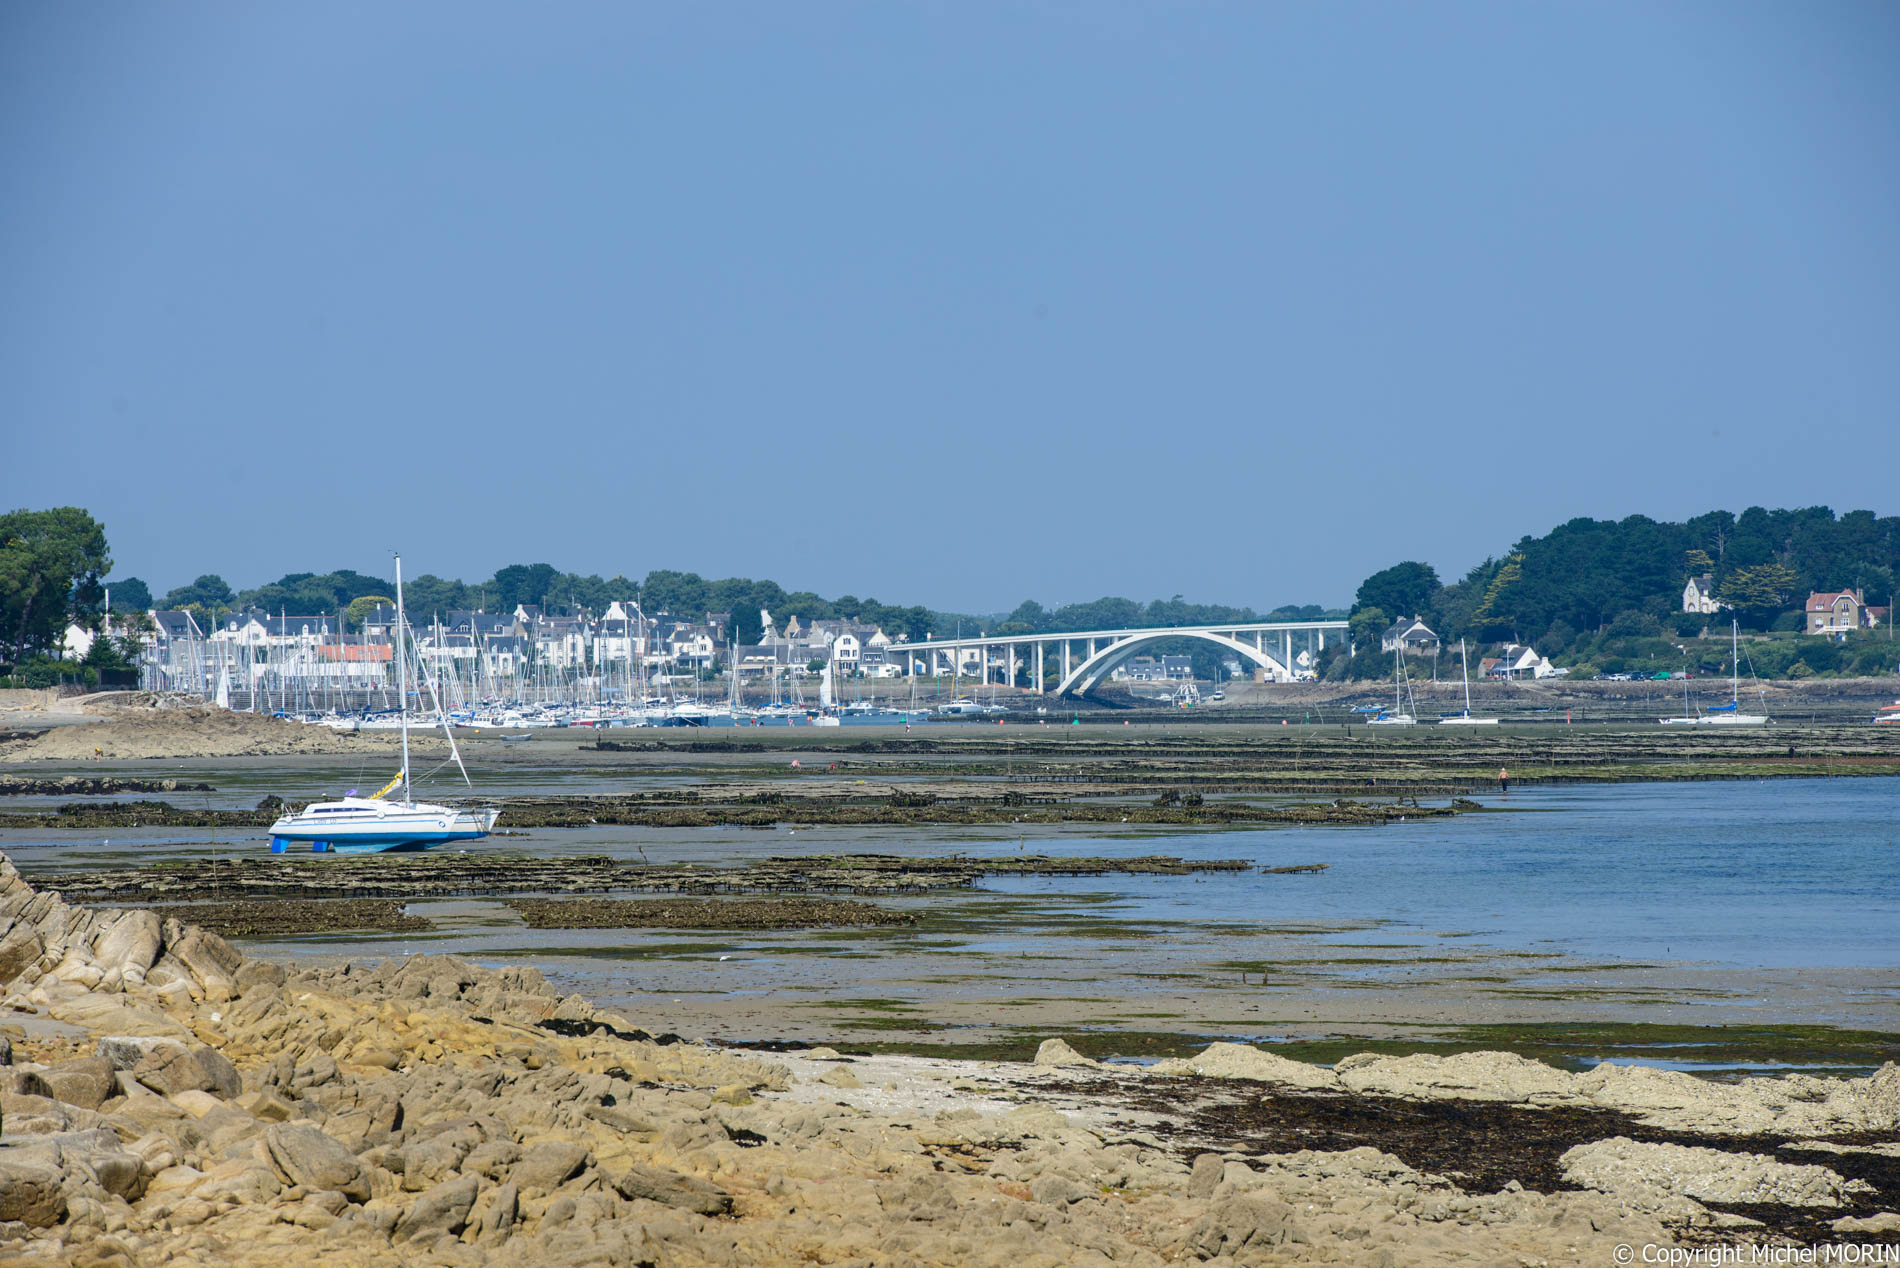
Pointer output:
x,y
1467,722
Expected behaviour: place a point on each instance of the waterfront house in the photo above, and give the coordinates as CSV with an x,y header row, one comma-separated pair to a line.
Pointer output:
x,y
617,641
1698,595
1838,611
1516,661
1411,634
561,641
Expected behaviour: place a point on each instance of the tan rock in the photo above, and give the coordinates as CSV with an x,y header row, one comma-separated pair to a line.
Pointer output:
x,y
1480,1076
1244,1061
1057,1052
1868,1225
670,1188
1648,1176
30,1192
171,1070
307,1156
267,1105
441,1210
196,1103
547,1165
85,1081
129,944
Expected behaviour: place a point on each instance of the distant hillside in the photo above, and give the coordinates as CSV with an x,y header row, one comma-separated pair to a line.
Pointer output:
x,y
1590,591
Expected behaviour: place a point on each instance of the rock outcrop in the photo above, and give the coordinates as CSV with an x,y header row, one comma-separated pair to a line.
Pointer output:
x,y
186,1104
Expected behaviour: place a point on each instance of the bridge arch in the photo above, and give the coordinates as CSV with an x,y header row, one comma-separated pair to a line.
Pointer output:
x,y
1085,676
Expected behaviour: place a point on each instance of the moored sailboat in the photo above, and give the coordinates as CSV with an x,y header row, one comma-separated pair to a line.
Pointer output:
x,y
1401,689
1465,718
373,825
1729,714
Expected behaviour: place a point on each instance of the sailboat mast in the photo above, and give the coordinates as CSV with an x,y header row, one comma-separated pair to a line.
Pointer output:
x,y
1464,667
402,684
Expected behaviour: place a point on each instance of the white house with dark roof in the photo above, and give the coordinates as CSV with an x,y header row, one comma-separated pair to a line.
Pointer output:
x,y
1411,634
560,641
1698,595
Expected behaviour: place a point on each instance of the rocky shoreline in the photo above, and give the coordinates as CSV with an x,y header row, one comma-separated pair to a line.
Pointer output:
x,y
169,1098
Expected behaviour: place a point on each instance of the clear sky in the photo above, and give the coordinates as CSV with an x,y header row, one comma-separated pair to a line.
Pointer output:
x,y
951,303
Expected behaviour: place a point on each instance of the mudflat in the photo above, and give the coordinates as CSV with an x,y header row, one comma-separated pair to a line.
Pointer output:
x,y
946,999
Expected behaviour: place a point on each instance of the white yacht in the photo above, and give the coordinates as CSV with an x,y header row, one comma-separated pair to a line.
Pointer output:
x,y
1729,714
1465,718
1396,715
372,825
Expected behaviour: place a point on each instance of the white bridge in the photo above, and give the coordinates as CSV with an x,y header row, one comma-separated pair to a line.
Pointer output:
x,y
1089,656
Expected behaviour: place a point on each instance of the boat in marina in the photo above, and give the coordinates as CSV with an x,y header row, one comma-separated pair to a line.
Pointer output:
x,y
828,714
1729,714
1397,715
380,823
1465,718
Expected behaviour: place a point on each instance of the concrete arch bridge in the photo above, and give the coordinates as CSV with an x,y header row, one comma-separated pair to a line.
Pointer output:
x,y
1088,657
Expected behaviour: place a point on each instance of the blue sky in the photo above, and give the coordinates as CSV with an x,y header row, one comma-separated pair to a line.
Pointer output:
x,y
942,303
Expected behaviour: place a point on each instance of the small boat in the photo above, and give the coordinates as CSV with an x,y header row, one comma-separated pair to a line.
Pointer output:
x,y
1888,714
1465,718
827,701
374,825
1396,715
1729,714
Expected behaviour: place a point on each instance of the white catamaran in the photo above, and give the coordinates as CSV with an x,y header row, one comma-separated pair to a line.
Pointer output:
x,y
372,825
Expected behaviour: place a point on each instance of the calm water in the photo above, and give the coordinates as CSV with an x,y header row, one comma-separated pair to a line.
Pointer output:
x,y
1781,874
1776,874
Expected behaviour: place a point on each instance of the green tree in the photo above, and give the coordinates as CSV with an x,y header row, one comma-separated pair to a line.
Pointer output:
x,y
208,592
1405,589
429,596
1496,611
1699,563
1761,590
359,610
51,568
129,594
523,583
1367,625
105,653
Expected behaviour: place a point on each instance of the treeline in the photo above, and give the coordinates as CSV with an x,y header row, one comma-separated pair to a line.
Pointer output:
x,y
685,595
1602,592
